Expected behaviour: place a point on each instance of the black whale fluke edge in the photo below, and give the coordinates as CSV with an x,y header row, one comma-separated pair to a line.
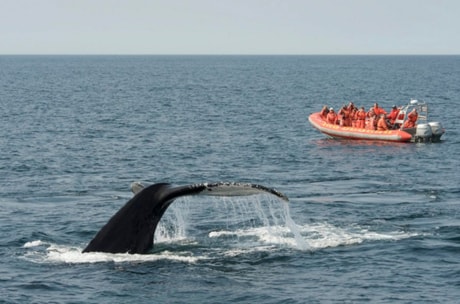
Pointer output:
x,y
132,228
224,189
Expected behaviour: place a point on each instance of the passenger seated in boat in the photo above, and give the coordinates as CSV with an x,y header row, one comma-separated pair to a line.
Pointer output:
x,y
409,124
353,117
324,112
351,107
344,117
370,113
331,117
382,123
360,118
411,119
371,121
413,115
378,110
393,114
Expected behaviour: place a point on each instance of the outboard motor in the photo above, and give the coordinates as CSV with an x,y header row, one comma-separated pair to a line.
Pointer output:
x,y
437,130
423,133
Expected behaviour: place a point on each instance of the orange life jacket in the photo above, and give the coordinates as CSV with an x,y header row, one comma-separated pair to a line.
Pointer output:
x,y
371,123
360,119
382,124
409,124
332,118
393,114
324,112
379,110
413,116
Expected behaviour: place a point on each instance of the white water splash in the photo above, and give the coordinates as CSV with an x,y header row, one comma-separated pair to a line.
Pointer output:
x,y
33,244
73,255
325,235
240,225
262,217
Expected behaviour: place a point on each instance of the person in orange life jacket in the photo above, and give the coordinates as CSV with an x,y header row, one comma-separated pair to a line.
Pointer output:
x,y
354,117
411,119
378,110
409,124
382,123
344,117
324,112
371,122
331,117
393,114
351,106
352,109
413,115
370,113
360,118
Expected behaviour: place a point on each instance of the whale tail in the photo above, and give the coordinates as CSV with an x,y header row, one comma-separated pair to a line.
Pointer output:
x,y
132,228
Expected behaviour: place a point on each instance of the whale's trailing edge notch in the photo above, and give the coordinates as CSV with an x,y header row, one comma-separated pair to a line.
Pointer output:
x,y
132,228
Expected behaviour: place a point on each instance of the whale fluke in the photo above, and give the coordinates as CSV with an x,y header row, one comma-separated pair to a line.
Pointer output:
x,y
136,187
224,189
132,228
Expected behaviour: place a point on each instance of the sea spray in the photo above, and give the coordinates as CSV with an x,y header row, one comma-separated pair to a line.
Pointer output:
x,y
301,242
246,219
173,225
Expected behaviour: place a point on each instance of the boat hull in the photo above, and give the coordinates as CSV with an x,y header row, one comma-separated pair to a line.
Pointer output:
x,y
337,131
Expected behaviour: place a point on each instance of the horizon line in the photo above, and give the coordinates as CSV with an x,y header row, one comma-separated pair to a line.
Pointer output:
x,y
216,54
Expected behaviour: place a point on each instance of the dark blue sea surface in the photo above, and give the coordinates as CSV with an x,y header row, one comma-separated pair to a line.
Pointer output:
x,y
366,222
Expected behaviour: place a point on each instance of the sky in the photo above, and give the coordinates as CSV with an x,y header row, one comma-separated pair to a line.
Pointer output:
x,y
230,27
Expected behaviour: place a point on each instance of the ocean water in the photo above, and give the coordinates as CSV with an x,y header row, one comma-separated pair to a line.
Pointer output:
x,y
366,222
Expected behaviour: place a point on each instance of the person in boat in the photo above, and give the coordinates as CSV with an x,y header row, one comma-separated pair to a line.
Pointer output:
x,y
352,110
371,121
353,116
393,114
382,123
324,112
331,117
351,107
413,115
360,118
411,119
399,117
344,117
378,110
370,113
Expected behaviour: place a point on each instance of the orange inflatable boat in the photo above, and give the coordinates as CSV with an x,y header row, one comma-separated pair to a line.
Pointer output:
x,y
421,132
337,131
